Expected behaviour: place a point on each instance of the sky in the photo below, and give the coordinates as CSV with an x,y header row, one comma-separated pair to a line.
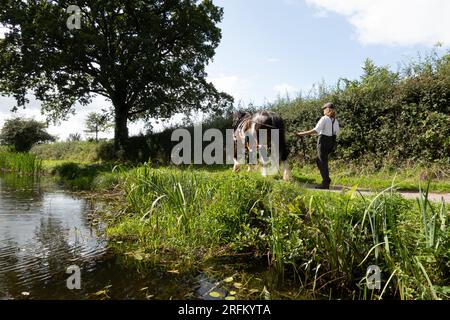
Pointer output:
x,y
271,48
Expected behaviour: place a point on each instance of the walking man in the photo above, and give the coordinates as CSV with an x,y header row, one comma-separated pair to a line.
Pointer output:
x,y
327,128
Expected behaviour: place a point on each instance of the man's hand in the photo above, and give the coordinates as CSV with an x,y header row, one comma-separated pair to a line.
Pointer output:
x,y
299,134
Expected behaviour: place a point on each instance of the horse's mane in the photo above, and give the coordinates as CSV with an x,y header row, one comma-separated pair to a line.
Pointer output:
x,y
239,117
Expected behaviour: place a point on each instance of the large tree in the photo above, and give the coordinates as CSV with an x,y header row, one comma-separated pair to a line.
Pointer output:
x,y
148,57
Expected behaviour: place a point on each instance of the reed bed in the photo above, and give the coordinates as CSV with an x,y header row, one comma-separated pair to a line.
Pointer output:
x,y
324,241
23,163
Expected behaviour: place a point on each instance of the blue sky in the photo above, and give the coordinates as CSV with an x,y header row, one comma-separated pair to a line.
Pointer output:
x,y
270,47
273,46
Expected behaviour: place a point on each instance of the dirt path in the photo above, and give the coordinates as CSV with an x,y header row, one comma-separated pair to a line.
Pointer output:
x,y
435,197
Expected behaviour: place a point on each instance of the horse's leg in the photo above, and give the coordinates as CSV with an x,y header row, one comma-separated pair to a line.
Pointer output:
x,y
236,166
252,148
264,163
264,159
286,171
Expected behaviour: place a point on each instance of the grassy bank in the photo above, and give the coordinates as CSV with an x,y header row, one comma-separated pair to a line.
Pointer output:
x,y
369,175
75,151
410,177
324,241
321,242
22,163
82,176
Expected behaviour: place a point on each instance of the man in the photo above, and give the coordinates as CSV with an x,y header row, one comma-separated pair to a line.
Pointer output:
x,y
327,128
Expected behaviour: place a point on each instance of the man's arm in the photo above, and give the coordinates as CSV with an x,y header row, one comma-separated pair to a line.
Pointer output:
x,y
306,133
315,131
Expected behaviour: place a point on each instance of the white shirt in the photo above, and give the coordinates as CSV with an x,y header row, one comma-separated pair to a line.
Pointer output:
x,y
324,126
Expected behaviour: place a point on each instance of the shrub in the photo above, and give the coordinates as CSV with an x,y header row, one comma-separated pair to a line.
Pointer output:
x,y
22,134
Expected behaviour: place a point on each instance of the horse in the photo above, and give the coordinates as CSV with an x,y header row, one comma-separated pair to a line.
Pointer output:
x,y
262,132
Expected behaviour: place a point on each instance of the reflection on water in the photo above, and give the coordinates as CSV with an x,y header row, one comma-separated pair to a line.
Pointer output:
x,y
44,230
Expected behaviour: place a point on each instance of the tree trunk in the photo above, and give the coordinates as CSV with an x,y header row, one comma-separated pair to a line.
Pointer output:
x,y
121,132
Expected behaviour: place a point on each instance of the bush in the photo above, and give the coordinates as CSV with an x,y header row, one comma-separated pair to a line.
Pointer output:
x,y
385,115
22,134
86,177
329,239
81,151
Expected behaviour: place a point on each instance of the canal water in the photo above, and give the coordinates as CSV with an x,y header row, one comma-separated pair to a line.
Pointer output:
x,y
45,229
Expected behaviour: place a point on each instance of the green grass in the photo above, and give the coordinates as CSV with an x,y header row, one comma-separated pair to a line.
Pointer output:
x,y
23,163
51,165
75,151
84,176
324,240
406,178
319,240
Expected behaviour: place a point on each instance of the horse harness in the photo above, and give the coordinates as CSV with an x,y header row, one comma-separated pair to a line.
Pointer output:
x,y
241,126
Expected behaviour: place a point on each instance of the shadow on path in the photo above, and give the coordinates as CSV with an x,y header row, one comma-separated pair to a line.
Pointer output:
x,y
407,194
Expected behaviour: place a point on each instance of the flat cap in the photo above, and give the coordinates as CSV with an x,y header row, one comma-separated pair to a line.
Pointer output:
x,y
328,105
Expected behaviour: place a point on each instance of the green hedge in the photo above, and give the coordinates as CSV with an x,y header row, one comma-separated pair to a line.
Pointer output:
x,y
80,151
385,115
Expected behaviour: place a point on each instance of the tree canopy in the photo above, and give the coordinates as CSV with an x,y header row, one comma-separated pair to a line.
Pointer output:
x,y
148,57
97,122
22,134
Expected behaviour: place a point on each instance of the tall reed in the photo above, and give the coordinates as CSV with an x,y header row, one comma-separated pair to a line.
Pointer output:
x,y
325,241
23,163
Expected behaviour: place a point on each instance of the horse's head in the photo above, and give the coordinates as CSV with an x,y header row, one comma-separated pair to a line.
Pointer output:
x,y
238,116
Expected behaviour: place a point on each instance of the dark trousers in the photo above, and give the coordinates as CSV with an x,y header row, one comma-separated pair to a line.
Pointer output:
x,y
324,148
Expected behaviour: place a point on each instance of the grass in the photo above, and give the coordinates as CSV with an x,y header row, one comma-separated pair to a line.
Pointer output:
x,y
83,176
22,163
365,175
324,241
75,151
377,179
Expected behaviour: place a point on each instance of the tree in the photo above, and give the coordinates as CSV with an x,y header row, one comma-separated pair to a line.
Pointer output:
x,y
148,57
22,134
97,122
74,137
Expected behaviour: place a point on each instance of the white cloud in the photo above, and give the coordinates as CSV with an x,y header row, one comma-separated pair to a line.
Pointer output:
x,y
393,22
231,84
238,87
273,60
74,124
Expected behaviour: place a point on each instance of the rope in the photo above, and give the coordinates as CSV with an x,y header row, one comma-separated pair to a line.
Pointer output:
x,y
262,124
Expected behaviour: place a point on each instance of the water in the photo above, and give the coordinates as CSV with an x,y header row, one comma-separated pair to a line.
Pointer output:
x,y
44,230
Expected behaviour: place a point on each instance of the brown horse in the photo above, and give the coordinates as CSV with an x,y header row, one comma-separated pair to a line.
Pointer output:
x,y
261,133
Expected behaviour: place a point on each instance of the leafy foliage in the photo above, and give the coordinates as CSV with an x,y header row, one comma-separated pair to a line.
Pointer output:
x,y
22,134
147,57
74,137
385,115
327,239
81,151
97,122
